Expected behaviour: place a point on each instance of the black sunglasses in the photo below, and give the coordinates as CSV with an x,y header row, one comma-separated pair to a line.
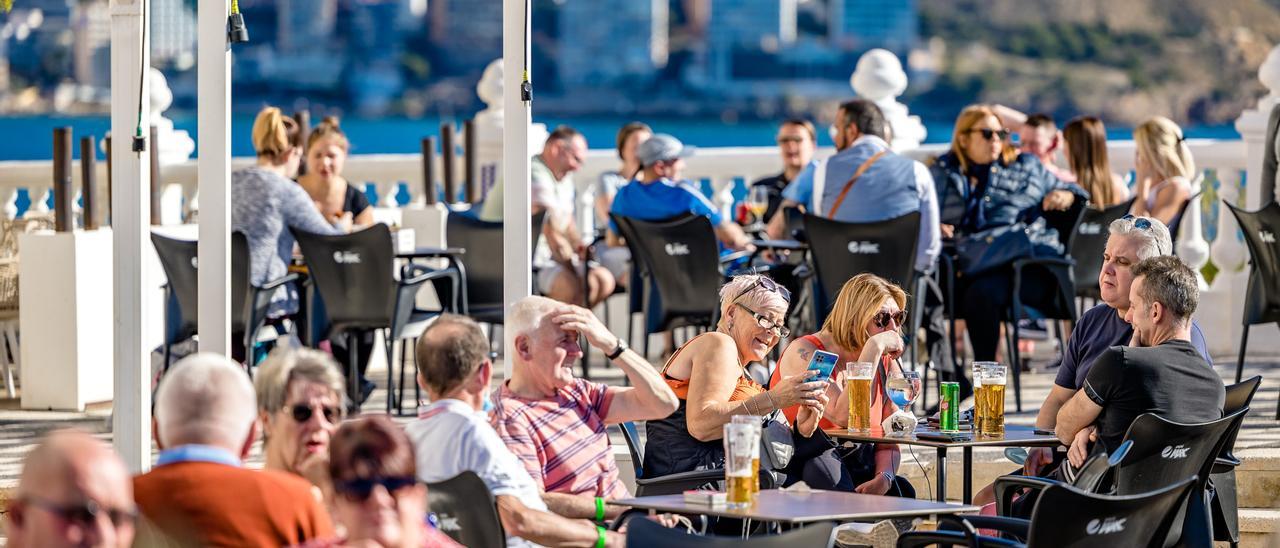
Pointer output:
x,y
881,319
302,412
359,490
769,284
85,514
1141,223
989,134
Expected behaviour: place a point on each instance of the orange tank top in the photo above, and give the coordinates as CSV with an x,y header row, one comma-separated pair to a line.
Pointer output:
x,y
880,407
745,388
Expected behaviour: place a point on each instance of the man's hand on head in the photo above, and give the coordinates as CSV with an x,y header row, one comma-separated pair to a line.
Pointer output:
x,y
580,320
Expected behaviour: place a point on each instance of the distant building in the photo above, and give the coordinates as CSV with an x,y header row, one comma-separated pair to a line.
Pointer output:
x,y
305,24
612,43
467,34
865,24
173,34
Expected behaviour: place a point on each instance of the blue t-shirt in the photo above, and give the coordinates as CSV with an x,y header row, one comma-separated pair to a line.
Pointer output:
x,y
661,200
1101,328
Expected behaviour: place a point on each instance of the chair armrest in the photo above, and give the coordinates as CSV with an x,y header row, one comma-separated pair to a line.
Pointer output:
x,y
920,539
414,274
287,278
725,259
1013,526
1006,486
1222,465
672,484
1044,261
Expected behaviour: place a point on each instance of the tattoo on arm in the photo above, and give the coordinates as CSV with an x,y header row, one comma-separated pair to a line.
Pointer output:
x,y
804,354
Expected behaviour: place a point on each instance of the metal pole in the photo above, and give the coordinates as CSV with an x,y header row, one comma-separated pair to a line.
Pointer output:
x,y
446,163
214,170
89,183
469,161
516,252
428,170
106,142
155,175
130,110
63,217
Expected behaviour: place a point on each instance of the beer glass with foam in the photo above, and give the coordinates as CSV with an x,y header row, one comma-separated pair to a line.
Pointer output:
x,y
979,401
858,376
992,397
755,422
741,446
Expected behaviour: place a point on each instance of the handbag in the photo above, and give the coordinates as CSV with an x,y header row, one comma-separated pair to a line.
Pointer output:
x,y
776,446
1002,245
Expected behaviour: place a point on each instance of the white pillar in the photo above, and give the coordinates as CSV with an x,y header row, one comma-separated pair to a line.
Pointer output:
x,y
1191,246
516,253
131,215
214,169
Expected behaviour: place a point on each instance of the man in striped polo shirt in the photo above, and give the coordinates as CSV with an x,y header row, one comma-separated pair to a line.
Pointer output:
x,y
555,422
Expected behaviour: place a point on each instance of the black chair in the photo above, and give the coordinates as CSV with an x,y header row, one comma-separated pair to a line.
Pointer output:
x,y
643,532
466,511
481,266
683,269
1090,242
670,484
1063,307
1226,524
1089,478
1067,516
179,260
841,250
354,274
249,302
1262,298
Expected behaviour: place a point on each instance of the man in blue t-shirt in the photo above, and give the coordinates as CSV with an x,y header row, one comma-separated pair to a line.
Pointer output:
x,y
659,193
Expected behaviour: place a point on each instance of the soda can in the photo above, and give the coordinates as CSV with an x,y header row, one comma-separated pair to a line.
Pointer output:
x,y
949,408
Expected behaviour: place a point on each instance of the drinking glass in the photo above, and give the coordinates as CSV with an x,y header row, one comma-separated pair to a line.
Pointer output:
x,y
858,377
904,388
758,202
993,382
757,423
741,446
979,396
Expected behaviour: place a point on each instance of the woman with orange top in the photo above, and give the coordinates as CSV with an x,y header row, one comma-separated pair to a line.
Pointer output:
x,y
864,326
709,376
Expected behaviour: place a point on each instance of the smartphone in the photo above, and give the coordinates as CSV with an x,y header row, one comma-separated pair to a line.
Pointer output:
x,y
944,436
824,362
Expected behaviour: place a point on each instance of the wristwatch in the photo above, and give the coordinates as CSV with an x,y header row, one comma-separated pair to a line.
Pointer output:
x,y
618,350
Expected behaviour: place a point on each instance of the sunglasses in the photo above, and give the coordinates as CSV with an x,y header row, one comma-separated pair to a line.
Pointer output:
x,y
768,284
882,318
302,412
990,134
359,490
766,323
1140,223
790,139
85,514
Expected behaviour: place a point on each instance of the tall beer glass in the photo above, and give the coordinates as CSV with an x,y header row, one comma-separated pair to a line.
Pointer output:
x,y
993,382
858,377
979,396
755,422
741,445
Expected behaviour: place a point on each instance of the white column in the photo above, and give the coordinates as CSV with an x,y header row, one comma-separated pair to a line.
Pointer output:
x,y
516,253
131,214
1191,246
214,168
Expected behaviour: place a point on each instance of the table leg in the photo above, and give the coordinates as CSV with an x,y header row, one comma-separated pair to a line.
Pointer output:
x,y
942,474
968,475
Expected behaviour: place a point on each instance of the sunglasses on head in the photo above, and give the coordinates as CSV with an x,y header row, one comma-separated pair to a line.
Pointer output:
x,y
302,412
882,318
359,490
990,134
768,284
1141,223
85,514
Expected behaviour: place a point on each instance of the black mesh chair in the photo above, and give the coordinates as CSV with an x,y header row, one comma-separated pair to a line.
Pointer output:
x,y
179,260
355,276
1262,298
1063,306
1090,242
643,532
1088,478
671,484
249,302
1067,516
1223,507
481,266
466,511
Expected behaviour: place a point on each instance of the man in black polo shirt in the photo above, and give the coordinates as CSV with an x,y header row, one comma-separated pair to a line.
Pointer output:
x,y
1159,372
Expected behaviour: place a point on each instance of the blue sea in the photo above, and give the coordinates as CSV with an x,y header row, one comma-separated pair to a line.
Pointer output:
x,y
31,137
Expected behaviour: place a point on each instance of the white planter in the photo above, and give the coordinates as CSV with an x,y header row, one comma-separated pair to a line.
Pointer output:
x,y
67,319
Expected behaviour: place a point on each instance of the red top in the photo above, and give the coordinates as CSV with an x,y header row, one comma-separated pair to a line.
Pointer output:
x,y
880,407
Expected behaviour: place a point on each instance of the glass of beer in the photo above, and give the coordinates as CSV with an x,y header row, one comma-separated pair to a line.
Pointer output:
x,y
979,405
992,397
857,381
741,446
757,423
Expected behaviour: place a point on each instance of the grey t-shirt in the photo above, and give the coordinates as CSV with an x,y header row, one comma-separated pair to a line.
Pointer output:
x,y
264,205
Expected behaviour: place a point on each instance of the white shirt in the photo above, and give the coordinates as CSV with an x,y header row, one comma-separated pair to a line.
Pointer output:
x,y
450,438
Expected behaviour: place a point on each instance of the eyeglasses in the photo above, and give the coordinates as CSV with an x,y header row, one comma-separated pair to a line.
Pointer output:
x,y
1140,223
990,134
769,284
766,323
359,490
302,412
85,514
790,139
881,319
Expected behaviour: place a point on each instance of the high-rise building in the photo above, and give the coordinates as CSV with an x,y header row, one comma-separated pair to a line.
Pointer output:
x,y
173,33
90,48
612,42
466,33
865,24
739,25
305,24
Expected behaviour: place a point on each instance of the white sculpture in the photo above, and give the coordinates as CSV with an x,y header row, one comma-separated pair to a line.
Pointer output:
x,y
879,78
1228,251
1191,246
176,146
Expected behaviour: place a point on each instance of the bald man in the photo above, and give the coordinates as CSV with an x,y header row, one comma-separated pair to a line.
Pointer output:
x,y
74,491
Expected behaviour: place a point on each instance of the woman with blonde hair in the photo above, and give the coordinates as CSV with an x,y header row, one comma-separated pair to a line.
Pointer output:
x,y
1085,146
1164,171
266,203
709,376
326,155
865,325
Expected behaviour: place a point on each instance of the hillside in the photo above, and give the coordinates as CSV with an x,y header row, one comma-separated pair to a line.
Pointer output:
x,y
1195,61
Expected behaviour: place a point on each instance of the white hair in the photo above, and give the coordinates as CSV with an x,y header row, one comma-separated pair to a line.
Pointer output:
x,y
206,399
527,314
1155,240
743,289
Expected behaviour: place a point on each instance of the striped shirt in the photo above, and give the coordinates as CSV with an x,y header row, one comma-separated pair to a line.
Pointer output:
x,y
562,440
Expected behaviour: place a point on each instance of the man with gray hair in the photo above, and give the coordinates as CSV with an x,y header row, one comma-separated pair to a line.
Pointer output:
x,y
199,493
1158,372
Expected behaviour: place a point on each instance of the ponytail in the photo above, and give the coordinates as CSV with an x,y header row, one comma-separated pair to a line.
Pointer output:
x,y
274,134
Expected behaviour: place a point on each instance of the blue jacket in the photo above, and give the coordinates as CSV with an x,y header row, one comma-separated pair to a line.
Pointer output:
x,y
1014,191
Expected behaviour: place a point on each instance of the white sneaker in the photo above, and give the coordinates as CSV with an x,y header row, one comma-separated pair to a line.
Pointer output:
x,y
881,534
